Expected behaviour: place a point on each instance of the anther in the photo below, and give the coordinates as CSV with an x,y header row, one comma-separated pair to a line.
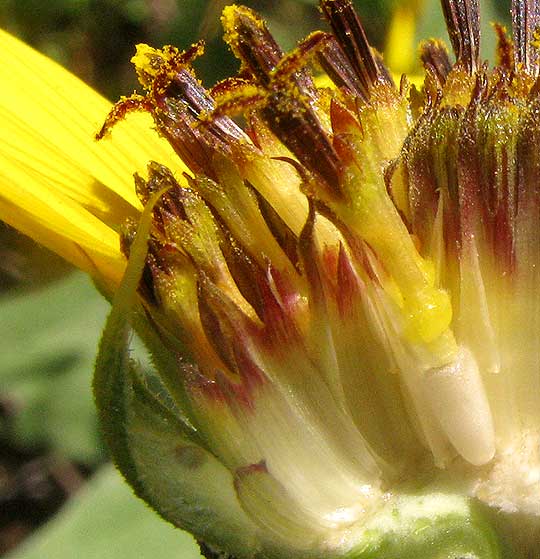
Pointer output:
x,y
463,24
525,27
251,42
353,41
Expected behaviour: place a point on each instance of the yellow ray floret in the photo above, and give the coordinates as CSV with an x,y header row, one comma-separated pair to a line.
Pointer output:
x,y
400,49
58,185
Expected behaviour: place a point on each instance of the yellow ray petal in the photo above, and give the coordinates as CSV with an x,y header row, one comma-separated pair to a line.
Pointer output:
x,y
59,174
59,107
54,175
400,52
58,222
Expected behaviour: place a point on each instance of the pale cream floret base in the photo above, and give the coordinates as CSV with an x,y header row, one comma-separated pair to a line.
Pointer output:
x,y
511,481
509,486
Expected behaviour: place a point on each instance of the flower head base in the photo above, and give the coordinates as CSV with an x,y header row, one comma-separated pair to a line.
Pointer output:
x,y
350,281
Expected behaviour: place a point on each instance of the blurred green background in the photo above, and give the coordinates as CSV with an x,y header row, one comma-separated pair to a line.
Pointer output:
x,y
59,498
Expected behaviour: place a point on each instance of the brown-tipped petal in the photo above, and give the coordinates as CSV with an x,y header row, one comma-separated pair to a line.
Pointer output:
x,y
216,321
352,39
344,123
229,331
469,168
463,23
197,100
336,64
288,106
159,177
525,24
178,114
298,127
527,148
283,234
434,54
307,247
245,273
280,331
189,142
349,284
385,75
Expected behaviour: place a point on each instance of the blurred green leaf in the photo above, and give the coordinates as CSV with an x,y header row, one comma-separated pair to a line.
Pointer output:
x,y
105,521
48,341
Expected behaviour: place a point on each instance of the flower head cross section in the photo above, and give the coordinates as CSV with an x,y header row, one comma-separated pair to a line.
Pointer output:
x,y
346,276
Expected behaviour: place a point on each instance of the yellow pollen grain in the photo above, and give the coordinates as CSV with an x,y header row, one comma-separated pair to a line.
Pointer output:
x,y
536,39
147,62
